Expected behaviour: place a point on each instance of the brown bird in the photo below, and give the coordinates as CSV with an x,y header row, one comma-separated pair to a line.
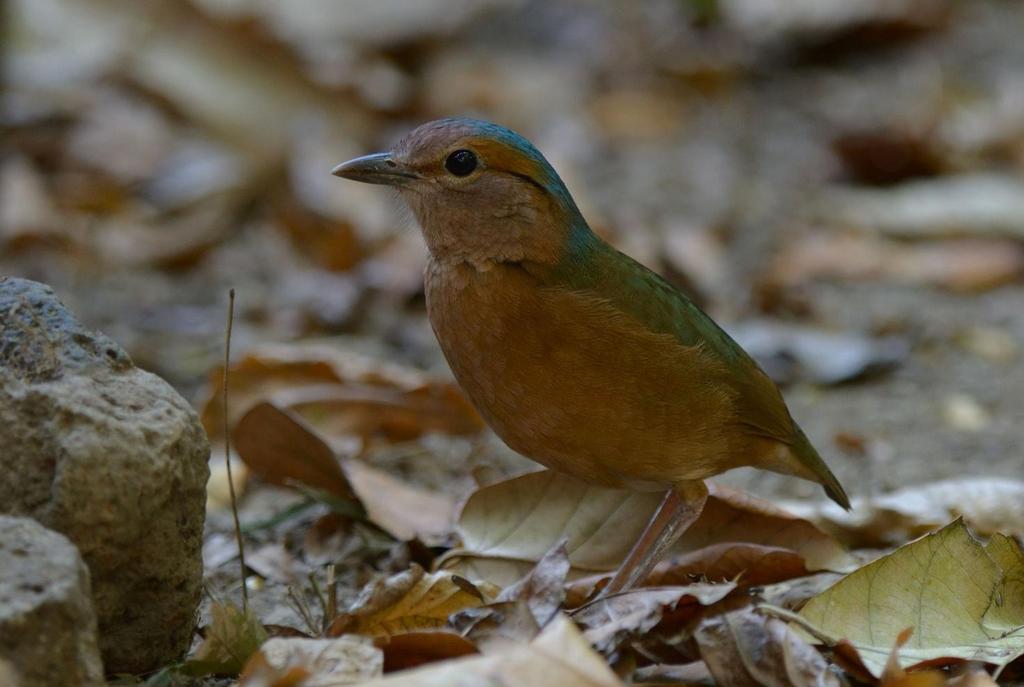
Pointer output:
x,y
575,354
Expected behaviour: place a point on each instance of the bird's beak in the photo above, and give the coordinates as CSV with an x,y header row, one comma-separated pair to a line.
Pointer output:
x,y
379,168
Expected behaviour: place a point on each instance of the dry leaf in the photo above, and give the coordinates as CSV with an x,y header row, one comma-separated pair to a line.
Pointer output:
x,y
497,625
402,509
382,414
793,594
974,678
964,600
34,216
259,673
732,515
340,392
506,527
984,204
410,601
522,609
558,657
282,449
177,241
257,377
615,619
847,657
327,662
886,156
689,674
543,589
895,676
745,564
748,564
744,649
230,639
956,264
329,242
413,649
988,505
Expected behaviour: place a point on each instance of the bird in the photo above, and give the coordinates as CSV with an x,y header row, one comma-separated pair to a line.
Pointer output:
x,y
575,354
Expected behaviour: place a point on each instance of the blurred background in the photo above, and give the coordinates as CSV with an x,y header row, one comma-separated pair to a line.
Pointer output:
x,y
839,182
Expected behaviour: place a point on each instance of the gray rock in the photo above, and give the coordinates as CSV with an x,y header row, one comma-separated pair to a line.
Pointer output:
x,y
112,457
47,622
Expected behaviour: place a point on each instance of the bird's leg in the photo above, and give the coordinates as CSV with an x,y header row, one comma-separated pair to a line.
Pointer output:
x,y
681,506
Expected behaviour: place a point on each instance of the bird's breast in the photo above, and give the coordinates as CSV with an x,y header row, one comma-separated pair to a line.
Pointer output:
x,y
571,382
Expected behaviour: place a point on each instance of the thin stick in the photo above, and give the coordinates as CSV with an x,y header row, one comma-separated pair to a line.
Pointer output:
x,y
227,451
332,596
302,608
790,616
319,595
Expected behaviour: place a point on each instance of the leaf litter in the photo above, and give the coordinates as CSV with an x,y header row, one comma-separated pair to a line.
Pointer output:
x,y
689,609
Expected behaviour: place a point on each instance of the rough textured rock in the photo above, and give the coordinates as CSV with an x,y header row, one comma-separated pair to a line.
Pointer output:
x,y
113,458
47,623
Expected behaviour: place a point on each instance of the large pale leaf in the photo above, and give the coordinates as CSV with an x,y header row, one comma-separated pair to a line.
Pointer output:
x,y
962,599
558,657
506,527
404,510
410,601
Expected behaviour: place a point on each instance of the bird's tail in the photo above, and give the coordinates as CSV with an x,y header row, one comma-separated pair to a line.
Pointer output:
x,y
808,456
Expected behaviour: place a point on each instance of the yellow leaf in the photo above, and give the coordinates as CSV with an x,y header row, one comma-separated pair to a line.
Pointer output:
x,y
411,601
231,638
963,600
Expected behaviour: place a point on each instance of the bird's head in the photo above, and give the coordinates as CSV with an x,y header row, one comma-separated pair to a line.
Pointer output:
x,y
480,191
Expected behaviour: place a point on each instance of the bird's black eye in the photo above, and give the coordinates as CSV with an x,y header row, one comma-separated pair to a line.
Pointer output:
x,y
461,162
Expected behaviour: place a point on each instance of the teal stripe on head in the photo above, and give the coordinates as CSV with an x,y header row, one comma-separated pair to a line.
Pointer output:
x,y
551,181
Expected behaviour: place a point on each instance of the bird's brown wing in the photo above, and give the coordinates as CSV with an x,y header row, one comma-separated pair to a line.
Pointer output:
x,y
659,307
656,305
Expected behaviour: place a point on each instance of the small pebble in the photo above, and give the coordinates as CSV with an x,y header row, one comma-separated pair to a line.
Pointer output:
x,y
964,413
